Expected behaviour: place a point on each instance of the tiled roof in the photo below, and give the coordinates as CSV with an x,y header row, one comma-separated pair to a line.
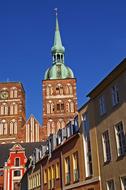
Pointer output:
x,y
5,150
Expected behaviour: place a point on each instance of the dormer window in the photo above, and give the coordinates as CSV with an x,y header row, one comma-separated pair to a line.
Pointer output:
x,y
59,139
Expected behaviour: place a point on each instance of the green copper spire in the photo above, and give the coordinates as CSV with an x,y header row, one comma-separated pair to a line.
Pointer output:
x,y
57,47
58,70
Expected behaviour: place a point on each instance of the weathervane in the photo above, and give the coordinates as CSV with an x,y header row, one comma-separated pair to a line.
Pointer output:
x,y
56,11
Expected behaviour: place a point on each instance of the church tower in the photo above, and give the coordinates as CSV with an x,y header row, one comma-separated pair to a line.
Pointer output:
x,y
12,111
59,89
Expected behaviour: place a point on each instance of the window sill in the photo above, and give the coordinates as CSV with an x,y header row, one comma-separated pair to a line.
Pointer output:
x,y
106,162
76,181
89,177
120,157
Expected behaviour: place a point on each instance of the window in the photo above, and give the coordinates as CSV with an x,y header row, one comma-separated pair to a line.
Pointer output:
x,y
123,183
59,89
17,162
45,176
13,92
70,106
4,109
3,127
102,108
110,185
49,90
13,108
106,146
67,170
57,171
87,145
115,95
60,107
13,127
69,89
120,139
50,127
49,178
60,124
68,130
53,177
50,107
17,173
75,167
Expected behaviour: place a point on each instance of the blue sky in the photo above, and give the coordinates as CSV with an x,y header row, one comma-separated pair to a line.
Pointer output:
x,y
93,33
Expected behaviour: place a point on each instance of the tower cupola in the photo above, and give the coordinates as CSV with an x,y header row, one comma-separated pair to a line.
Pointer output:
x,y
58,70
57,49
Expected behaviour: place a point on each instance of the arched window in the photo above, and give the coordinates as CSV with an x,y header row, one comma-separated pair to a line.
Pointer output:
x,y
60,106
3,127
13,127
49,90
69,89
58,57
50,107
4,109
50,127
70,106
13,108
60,124
13,92
59,89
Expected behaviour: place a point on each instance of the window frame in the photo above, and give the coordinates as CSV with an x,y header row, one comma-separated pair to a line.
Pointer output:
x,y
118,147
105,144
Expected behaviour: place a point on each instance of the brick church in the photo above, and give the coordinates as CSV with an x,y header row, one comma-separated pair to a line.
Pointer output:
x,y
59,102
18,135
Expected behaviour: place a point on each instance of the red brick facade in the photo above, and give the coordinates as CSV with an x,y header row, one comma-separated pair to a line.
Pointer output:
x,y
59,103
12,111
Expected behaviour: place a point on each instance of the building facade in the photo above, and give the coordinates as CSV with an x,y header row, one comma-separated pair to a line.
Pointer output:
x,y
109,103
59,164
14,168
12,111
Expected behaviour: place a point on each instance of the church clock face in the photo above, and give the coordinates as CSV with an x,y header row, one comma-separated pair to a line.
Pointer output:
x,y
4,95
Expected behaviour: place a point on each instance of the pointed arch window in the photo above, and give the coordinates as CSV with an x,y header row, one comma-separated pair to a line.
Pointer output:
x,y
59,89
4,109
69,89
50,107
13,127
3,127
49,90
50,127
60,124
13,108
60,106
13,92
70,106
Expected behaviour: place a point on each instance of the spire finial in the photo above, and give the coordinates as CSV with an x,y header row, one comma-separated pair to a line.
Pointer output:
x,y
56,11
